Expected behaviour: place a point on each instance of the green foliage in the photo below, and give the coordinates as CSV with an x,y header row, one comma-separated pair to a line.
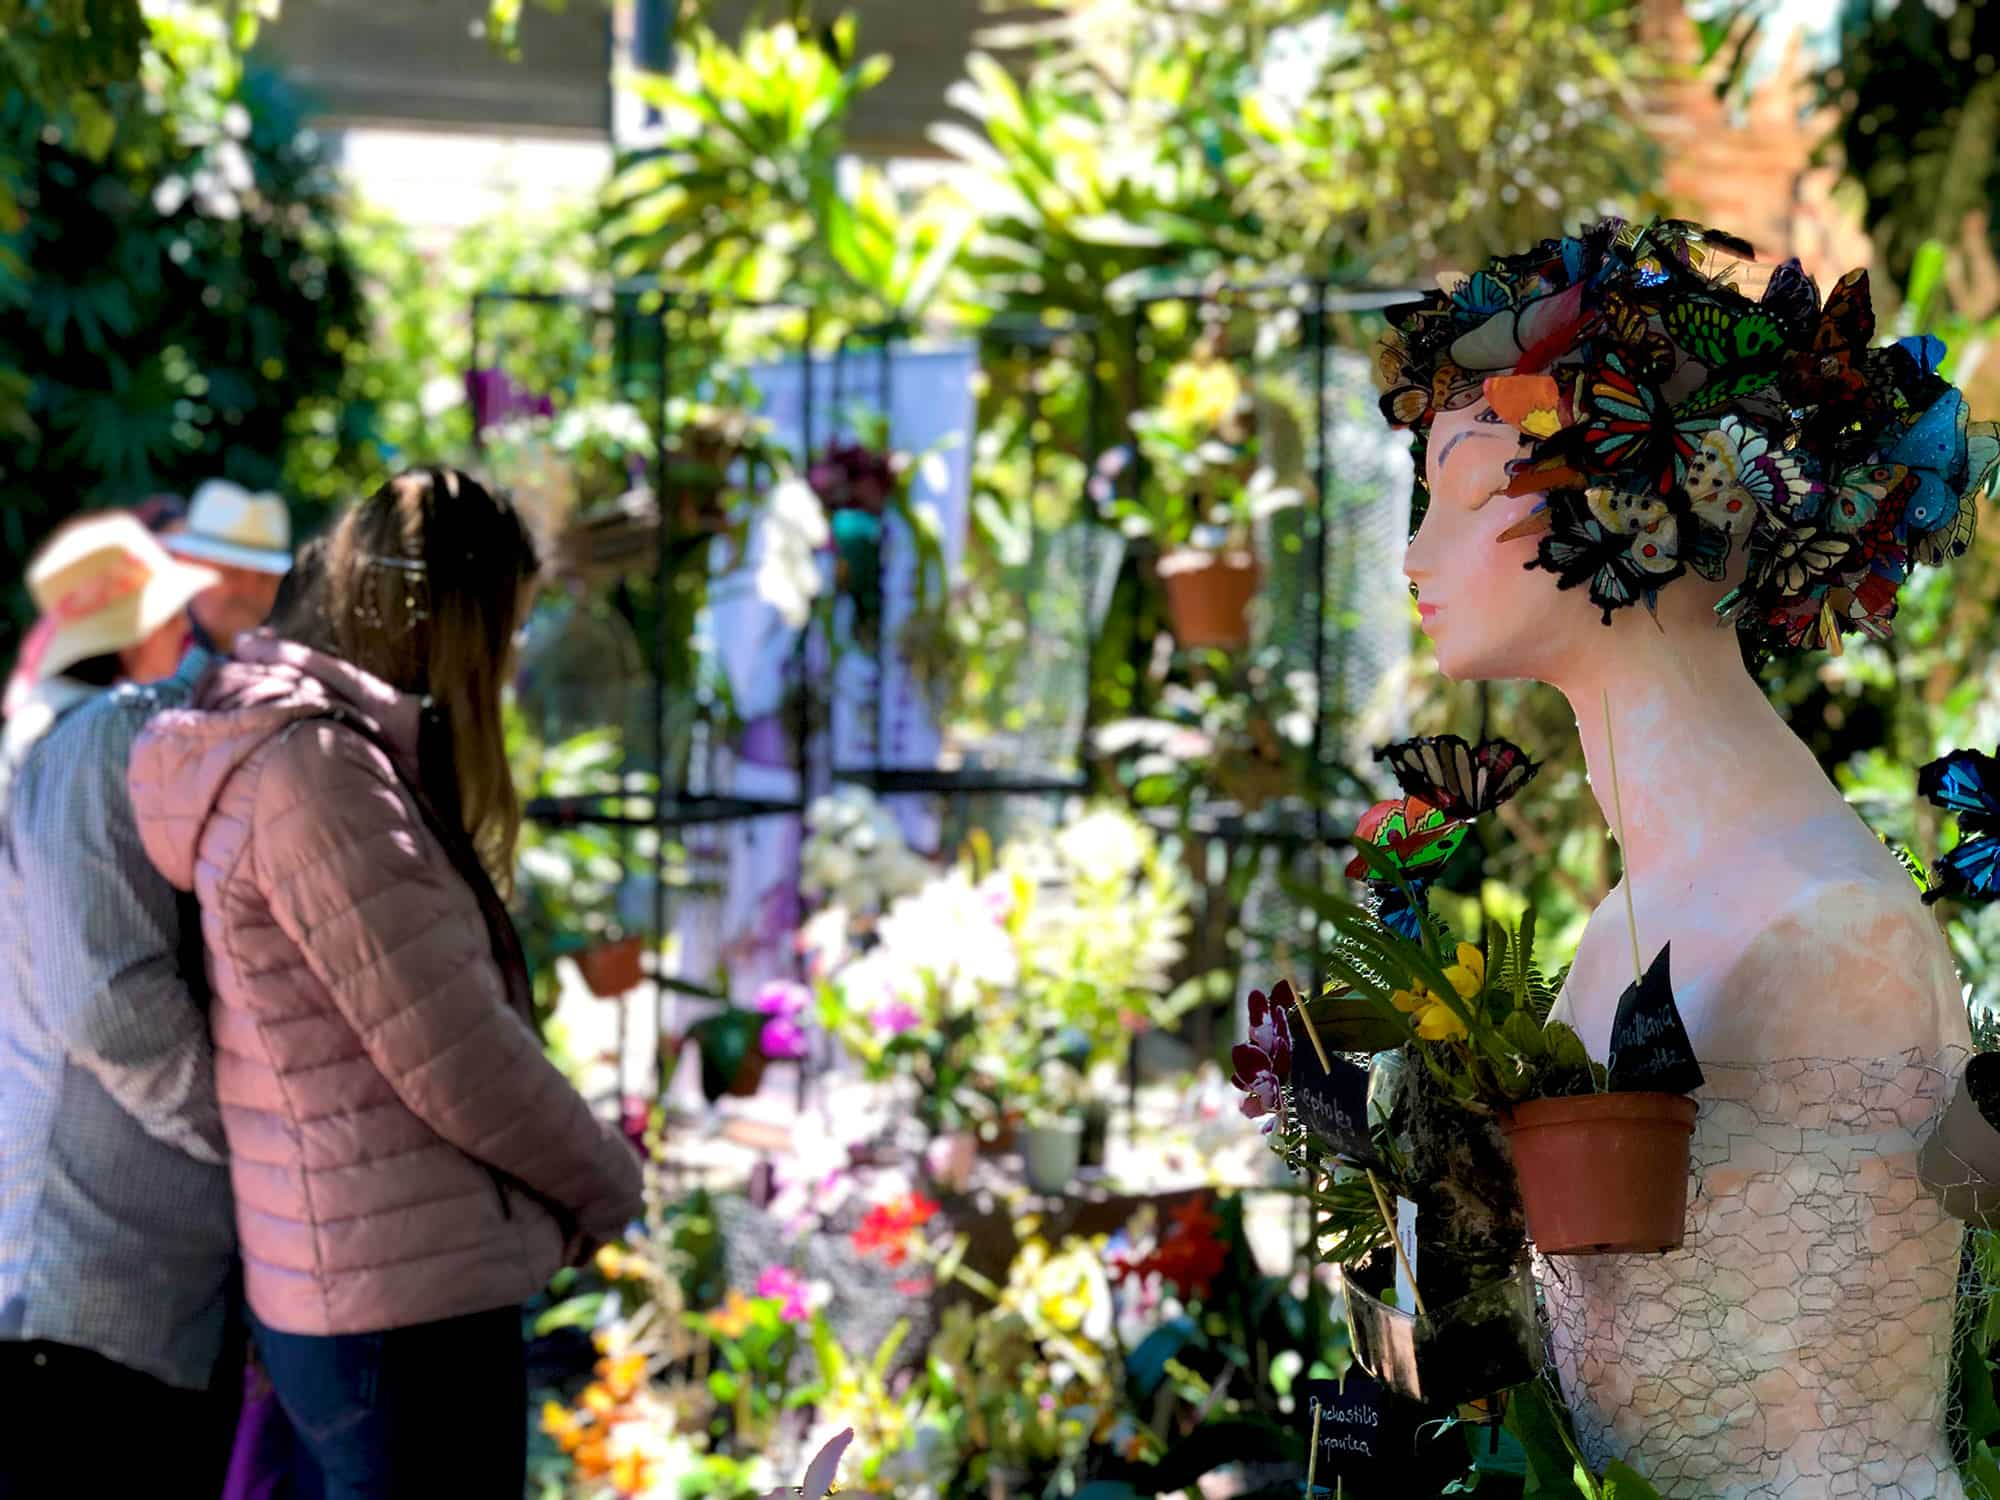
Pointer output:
x,y
744,196
175,303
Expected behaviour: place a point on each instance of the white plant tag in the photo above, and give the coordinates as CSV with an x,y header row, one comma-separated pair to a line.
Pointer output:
x,y
1406,1268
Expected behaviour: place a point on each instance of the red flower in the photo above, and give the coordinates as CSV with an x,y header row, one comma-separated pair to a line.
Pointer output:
x,y
1189,1256
888,1227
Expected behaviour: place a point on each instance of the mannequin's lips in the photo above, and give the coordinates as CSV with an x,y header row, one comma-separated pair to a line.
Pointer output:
x,y
1426,612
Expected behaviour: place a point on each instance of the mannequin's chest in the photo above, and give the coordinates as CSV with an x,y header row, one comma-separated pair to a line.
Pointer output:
x,y
1710,931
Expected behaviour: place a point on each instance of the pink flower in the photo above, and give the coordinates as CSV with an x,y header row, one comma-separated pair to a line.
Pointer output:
x,y
783,1039
1265,1061
784,998
783,1284
896,1018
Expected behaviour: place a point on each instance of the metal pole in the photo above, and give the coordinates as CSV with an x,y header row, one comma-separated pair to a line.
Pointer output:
x,y
663,575
1323,479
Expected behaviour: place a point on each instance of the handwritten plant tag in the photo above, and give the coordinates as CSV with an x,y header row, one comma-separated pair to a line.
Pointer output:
x,y
1364,1432
1333,1105
1650,1051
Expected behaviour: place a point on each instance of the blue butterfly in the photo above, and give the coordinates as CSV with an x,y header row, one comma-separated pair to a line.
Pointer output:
x,y
1967,783
1402,909
1933,450
1926,349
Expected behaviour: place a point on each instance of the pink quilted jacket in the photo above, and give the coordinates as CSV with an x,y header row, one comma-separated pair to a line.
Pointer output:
x,y
401,1149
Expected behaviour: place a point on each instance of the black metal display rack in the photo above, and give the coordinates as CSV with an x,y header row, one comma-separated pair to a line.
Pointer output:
x,y
626,342
1332,619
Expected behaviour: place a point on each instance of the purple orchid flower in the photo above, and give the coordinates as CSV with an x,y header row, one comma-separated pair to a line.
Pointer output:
x,y
1265,1061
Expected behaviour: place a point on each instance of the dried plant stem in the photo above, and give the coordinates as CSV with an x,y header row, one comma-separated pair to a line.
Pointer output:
x,y
1395,1240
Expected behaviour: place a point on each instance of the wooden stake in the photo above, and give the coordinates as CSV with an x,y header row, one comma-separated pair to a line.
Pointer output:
x,y
1312,1034
1312,1454
1624,848
1395,1240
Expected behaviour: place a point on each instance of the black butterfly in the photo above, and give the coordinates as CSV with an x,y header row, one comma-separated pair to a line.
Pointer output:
x,y
1965,782
1461,781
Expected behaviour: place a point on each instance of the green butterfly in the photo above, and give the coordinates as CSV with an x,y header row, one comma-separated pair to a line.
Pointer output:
x,y
1717,334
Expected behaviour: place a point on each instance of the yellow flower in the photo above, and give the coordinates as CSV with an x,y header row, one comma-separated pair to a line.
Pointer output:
x,y
1411,1000
599,1402
733,1319
1437,1023
611,1263
1201,393
1468,975
562,1424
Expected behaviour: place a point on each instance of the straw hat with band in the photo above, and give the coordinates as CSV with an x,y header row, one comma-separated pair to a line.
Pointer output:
x,y
103,585
228,525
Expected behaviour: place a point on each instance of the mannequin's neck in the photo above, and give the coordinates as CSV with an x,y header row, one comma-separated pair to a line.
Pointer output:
x,y
1702,759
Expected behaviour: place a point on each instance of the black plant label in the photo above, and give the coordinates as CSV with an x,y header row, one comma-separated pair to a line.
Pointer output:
x,y
1333,1104
1650,1051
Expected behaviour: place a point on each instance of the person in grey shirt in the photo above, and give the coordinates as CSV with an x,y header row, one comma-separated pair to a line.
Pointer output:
x,y
120,1343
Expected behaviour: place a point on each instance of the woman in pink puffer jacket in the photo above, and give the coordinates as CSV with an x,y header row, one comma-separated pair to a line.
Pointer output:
x,y
408,1166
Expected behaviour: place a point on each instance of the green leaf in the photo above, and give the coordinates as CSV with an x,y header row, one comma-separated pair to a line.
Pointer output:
x,y
1975,1383
1621,1482
1147,1364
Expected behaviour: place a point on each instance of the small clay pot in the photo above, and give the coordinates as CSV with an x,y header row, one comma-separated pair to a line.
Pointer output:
x,y
613,969
1603,1174
1208,596
749,1075
1959,1164
949,1159
1485,1341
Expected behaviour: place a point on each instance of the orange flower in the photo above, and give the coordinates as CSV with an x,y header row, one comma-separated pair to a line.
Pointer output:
x,y
733,1319
599,1402
564,1425
889,1227
592,1462
631,1473
623,1375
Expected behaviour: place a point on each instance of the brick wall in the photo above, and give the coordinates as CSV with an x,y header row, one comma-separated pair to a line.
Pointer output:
x,y
1748,169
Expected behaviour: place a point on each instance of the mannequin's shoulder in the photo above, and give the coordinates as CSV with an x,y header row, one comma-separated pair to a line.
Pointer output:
x,y
1842,960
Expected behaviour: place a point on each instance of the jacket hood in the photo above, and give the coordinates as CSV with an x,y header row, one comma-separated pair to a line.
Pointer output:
x,y
186,757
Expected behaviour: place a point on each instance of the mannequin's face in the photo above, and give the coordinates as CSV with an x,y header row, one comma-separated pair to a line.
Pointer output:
x,y
1488,614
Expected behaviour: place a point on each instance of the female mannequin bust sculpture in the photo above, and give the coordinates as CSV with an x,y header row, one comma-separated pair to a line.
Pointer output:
x,y
1799,1344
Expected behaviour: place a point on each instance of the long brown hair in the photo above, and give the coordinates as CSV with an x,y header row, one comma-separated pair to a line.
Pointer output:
x,y
421,585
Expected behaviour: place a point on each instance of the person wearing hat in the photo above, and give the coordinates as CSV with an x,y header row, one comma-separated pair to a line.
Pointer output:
x,y
117,1229
247,540
114,607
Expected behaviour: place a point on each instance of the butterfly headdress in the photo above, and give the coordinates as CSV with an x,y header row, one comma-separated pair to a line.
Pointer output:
x,y
1671,420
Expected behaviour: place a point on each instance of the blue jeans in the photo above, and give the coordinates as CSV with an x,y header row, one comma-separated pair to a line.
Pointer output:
x,y
410,1414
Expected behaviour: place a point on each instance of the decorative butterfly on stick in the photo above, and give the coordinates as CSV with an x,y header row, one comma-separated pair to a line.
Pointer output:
x,y
1966,782
1446,784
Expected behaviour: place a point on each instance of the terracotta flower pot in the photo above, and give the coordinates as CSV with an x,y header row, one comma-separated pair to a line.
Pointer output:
x,y
1208,596
949,1159
749,1075
1603,1174
613,969
1485,1341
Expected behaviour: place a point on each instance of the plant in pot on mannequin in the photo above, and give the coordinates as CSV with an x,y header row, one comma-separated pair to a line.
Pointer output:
x,y
1204,492
1607,410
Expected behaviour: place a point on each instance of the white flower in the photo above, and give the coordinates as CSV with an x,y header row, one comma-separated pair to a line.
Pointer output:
x,y
1105,845
439,395
785,551
951,932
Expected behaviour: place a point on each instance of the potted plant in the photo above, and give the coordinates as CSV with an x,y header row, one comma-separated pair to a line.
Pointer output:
x,y
736,1044
1601,1154
1052,1135
1205,494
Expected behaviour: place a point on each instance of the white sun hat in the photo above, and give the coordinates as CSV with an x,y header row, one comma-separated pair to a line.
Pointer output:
x,y
228,524
101,584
